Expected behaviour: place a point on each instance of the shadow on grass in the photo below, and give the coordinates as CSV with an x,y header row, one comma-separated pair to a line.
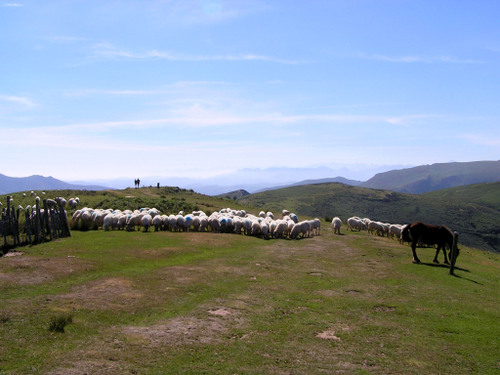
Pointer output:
x,y
438,265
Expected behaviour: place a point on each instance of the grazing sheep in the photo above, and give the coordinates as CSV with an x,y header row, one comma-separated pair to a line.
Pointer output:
x,y
146,221
203,223
72,203
157,222
355,223
172,222
315,226
395,231
281,229
300,228
255,228
376,227
336,224
264,230
122,221
133,220
181,223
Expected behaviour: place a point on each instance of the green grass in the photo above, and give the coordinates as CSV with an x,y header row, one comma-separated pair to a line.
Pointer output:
x,y
169,303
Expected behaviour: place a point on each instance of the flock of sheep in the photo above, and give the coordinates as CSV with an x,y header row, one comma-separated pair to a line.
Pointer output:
x,y
226,220
374,227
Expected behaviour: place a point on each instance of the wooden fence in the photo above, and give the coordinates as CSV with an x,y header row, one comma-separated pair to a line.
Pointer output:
x,y
33,224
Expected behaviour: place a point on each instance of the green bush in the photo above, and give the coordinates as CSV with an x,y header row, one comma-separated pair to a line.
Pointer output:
x,y
59,321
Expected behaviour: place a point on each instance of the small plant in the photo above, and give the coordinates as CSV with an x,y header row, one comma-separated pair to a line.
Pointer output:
x,y
4,317
59,321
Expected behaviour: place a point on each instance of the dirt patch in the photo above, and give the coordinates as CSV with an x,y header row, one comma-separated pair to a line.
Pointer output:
x,y
13,254
220,312
328,335
332,332
30,270
104,294
179,331
100,366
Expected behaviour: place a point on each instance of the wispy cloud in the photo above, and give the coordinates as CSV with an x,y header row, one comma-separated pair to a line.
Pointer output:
x,y
12,5
63,39
196,116
482,140
108,51
196,12
19,100
420,59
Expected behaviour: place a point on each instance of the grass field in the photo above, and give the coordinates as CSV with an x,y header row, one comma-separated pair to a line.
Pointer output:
x,y
194,303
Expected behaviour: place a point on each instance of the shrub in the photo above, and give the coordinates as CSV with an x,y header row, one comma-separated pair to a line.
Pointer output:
x,y
59,321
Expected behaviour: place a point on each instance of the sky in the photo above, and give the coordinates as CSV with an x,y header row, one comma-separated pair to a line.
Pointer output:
x,y
106,89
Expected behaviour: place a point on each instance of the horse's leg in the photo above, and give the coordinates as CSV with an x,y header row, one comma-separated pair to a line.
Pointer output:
x,y
436,256
413,246
444,253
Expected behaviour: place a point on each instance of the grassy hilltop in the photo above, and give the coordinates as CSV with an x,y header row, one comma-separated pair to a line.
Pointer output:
x,y
167,303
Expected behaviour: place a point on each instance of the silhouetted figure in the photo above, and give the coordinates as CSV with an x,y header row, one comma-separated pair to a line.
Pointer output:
x,y
137,183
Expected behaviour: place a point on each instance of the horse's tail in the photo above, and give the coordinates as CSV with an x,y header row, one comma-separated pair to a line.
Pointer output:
x,y
455,243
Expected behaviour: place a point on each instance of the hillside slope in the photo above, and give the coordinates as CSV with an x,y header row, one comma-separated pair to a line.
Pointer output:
x,y
438,176
472,210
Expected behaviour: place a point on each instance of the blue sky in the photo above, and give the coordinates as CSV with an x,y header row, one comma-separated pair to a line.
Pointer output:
x,y
103,89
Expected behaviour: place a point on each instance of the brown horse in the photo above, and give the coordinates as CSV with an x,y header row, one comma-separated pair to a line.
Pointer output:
x,y
441,236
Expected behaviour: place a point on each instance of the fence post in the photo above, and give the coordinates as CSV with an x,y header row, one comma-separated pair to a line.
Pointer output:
x,y
38,221
9,219
28,224
46,220
63,218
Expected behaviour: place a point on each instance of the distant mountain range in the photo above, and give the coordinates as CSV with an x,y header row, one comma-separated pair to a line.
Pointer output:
x,y
415,180
37,183
426,178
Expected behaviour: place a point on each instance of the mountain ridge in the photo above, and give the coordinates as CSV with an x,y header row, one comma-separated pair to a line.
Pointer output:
x,y
431,177
37,182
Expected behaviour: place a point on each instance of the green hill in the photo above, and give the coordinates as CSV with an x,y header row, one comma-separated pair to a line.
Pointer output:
x,y
473,210
437,176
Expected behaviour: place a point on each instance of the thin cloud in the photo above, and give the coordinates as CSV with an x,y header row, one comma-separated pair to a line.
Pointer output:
x,y
13,5
482,140
63,39
414,59
105,50
199,117
26,102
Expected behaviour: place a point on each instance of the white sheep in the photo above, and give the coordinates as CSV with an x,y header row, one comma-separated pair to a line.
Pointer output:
x,y
146,221
355,223
395,231
157,222
336,224
264,229
280,229
203,223
315,226
376,227
300,228
108,221
255,228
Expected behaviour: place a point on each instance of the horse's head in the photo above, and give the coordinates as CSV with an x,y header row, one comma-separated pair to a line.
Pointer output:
x,y
405,234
